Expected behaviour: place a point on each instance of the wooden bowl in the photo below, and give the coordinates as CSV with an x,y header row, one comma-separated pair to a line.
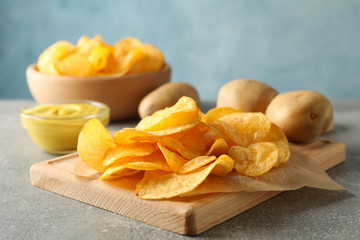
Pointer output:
x,y
121,93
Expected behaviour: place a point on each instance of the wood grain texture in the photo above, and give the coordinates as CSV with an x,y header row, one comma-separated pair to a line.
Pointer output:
x,y
184,215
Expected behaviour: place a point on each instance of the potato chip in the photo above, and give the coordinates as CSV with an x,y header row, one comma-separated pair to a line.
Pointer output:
x,y
176,145
218,148
94,141
113,66
174,160
192,139
124,46
177,148
155,161
210,133
145,58
225,166
170,142
113,173
180,117
75,65
87,45
254,160
277,136
196,163
161,185
53,54
243,128
136,149
127,56
99,57
217,113
128,136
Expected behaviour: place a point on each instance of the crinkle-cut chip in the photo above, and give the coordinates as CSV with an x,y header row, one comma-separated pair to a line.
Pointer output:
x,y
174,160
93,142
277,136
135,149
255,160
181,116
129,135
162,185
155,161
225,166
217,113
218,148
75,65
196,163
243,128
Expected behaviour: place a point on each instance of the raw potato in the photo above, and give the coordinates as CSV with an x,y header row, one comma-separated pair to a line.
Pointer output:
x,y
165,96
246,94
302,114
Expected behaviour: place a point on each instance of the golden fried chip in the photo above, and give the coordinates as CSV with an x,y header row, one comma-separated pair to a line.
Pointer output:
x,y
218,148
75,65
174,160
136,149
176,145
254,160
209,133
161,185
124,46
145,58
155,161
53,54
99,57
130,135
113,66
277,136
180,117
94,57
87,45
225,166
116,173
192,139
94,141
169,142
217,113
196,163
243,128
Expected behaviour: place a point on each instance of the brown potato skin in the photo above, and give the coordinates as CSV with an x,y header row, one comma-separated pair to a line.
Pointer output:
x,y
302,115
166,96
247,95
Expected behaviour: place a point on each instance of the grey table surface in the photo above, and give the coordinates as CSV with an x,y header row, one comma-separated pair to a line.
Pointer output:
x,y
27,212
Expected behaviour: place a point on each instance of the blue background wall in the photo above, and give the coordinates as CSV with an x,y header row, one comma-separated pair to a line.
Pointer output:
x,y
307,44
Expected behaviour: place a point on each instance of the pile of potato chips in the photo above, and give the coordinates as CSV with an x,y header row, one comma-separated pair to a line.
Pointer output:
x,y
178,147
93,57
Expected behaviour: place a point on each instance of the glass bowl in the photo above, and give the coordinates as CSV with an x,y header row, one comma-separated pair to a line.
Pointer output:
x,y
55,126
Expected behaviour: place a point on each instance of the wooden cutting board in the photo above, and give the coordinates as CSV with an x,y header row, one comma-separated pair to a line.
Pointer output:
x,y
184,215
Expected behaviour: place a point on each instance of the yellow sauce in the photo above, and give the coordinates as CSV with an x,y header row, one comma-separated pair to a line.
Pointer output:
x,y
55,127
